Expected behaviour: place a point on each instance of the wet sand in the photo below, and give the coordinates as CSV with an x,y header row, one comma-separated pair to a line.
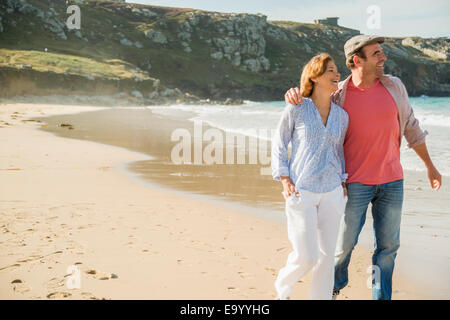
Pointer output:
x,y
67,202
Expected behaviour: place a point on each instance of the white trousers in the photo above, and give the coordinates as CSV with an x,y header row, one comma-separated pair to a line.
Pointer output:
x,y
313,223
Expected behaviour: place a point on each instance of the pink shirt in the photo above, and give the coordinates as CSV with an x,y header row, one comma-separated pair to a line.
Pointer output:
x,y
372,147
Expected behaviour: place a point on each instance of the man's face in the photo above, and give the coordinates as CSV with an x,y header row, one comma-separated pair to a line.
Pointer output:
x,y
375,58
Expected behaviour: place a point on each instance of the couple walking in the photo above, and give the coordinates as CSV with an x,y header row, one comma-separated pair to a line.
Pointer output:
x,y
345,139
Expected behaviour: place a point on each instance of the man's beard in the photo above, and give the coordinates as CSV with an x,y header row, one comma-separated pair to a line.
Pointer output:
x,y
379,72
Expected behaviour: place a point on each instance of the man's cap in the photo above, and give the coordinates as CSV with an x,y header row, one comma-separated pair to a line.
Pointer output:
x,y
357,42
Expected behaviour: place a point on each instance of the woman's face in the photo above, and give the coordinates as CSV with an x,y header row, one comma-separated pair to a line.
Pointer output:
x,y
329,79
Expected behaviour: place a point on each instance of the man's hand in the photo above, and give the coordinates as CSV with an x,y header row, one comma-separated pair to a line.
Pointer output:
x,y
293,96
433,174
288,186
435,178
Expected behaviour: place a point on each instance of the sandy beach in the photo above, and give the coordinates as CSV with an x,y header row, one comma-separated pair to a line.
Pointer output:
x,y
66,205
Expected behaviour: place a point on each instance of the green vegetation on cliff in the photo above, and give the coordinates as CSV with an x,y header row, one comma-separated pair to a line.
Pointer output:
x,y
123,47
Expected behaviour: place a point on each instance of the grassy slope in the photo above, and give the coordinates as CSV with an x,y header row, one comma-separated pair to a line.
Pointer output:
x,y
68,63
104,56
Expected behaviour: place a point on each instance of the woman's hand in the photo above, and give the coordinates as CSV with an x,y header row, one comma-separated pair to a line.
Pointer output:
x,y
344,186
288,186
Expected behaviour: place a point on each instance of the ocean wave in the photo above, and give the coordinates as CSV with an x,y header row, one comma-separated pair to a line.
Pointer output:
x,y
433,119
250,131
250,103
443,170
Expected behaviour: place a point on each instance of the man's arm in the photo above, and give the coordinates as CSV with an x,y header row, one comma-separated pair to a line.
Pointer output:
x,y
414,135
434,176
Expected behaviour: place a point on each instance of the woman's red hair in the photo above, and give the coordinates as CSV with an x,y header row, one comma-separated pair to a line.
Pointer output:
x,y
314,68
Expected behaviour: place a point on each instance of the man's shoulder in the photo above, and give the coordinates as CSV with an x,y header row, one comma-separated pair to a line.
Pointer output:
x,y
390,79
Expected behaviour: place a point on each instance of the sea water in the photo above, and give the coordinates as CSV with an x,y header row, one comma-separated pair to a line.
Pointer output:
x,y
433,114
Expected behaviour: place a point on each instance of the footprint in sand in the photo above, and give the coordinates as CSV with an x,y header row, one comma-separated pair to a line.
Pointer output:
x,y
55,208
272,270
59,295
30,120
55,283
235,290
90,296
100,275
39,257
10,266
245,275
20,286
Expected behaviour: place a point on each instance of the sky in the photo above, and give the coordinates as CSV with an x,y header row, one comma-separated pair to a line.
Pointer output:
x,y
392,18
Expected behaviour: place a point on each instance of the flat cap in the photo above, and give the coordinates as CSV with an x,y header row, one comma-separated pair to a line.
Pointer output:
x,y
357,42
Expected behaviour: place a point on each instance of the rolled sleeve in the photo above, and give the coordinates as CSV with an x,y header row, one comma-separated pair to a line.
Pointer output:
x,y
278,173
414,135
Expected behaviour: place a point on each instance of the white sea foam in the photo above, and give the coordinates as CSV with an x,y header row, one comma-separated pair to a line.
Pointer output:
x,y
427,118
256,119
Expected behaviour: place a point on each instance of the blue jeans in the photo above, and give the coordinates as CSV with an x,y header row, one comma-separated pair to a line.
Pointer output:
x,y
387,200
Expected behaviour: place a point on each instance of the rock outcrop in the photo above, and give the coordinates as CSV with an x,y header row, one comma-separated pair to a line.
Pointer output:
x,y
435,48
209,55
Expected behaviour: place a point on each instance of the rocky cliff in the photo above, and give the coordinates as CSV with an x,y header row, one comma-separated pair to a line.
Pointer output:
x,y
148,51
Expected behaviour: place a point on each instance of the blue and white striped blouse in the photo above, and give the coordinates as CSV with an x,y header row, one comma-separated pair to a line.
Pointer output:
x,y
317,158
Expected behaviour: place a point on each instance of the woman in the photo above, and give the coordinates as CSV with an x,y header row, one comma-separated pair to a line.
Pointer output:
x,y
313,179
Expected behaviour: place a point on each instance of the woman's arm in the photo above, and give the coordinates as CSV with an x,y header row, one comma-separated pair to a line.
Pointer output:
x,y
344,175
280,143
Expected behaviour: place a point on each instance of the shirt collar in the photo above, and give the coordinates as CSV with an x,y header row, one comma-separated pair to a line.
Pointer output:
x,y
384,79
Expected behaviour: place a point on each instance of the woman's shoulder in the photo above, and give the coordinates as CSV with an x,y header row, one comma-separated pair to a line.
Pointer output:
x,y
343,115
306,102
299,111
296,108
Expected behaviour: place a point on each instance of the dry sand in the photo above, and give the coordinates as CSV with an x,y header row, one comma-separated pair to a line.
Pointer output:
x,y
63,203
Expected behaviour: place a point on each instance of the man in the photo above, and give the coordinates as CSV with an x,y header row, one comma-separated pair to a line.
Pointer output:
x,y
379,116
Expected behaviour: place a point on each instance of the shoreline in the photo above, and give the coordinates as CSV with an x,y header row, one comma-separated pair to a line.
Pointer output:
x,y
240,262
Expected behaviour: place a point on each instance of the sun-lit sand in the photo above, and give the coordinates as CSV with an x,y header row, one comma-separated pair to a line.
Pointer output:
x,y
65,206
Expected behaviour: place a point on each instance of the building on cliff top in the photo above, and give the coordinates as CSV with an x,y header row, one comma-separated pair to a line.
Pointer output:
x,y
329,20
